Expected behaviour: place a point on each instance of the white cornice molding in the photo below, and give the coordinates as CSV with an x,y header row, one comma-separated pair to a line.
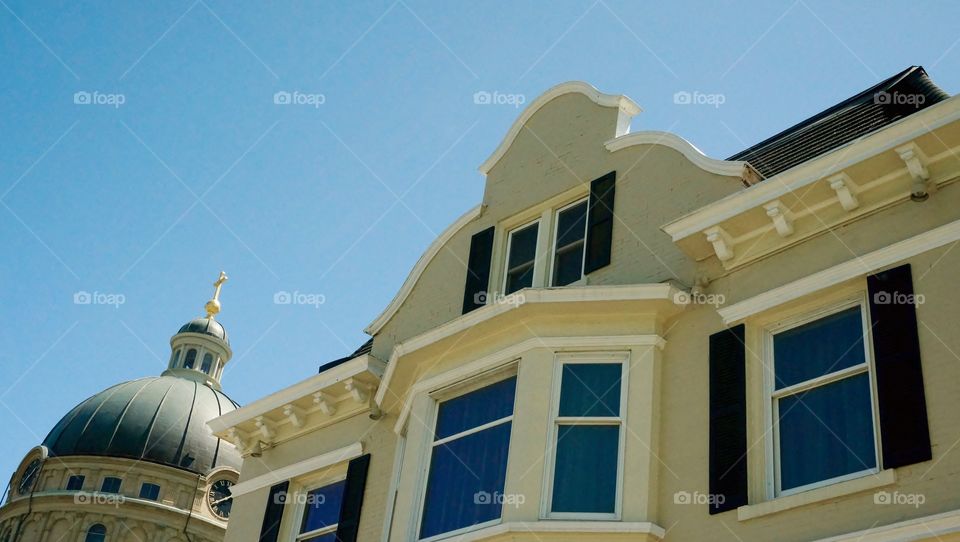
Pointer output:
x,y
298,469
738,169
850,269
889,138
626,106
280,399
923,527
631,292
418,269
566,527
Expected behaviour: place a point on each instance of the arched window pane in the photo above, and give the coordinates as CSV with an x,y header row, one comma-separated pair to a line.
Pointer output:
x,y
207,362
96,533
190,359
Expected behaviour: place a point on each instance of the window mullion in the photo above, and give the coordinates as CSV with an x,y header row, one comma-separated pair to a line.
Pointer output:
x,y
820,381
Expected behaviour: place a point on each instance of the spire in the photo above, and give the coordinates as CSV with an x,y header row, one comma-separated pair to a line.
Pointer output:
x,y
213,306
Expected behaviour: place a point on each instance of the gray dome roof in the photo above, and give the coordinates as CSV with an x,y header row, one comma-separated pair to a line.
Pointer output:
x,y
207,326
160,419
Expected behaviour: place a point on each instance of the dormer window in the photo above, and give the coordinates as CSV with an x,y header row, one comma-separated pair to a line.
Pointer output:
x,y
191,359
521,257
207,363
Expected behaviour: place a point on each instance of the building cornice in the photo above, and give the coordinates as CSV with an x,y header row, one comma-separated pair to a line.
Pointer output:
x,y
735,168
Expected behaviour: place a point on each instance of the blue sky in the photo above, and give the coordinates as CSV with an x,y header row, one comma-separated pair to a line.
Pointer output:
x,y
198,170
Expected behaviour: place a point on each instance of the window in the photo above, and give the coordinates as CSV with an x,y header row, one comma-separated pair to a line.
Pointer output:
x,y
96,533
149,491
321,513
75,482
468,462
569,242
822,401
110,485
175,358
190,359
207,362
588,437
521,257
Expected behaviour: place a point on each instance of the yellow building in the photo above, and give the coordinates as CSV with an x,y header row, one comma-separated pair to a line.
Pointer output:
x,y
136,462
629,340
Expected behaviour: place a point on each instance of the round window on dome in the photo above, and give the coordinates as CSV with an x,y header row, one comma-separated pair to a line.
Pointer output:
x,y
191,358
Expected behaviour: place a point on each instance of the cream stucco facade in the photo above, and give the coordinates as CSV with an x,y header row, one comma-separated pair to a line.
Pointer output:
x,y
698,246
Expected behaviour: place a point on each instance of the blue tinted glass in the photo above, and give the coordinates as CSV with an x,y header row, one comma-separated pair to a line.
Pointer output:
x,y
523,252
329,537
96,533
585,477
75,483
149,491
110,485
826,432
818,348
476,408
466,478
590,389
322,508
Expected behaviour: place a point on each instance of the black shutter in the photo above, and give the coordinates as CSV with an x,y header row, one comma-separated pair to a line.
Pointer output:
x,y
904,435
353,499
478,270
274,512
600,223
728,420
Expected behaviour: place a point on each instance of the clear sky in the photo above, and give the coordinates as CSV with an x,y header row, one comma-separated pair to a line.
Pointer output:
x,y
182,164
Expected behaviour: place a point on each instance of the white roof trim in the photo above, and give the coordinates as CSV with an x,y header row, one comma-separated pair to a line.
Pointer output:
x,y
811,171
681,145
418,269
911,529
850,269
626,105
298,469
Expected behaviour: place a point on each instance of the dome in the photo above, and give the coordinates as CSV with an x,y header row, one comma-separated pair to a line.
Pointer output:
x,y
207,326
158,419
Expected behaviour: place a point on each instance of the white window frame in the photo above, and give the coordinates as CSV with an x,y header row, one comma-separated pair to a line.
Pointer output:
x,y
771,395
555,237
303,490
566,358
459,389
536,252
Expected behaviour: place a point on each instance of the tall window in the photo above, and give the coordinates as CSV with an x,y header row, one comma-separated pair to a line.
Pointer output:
x,y
521,258
96,533
190,359
588,437
207,362
321,513
822,401
569,243
468,462
175,357
111,485
75,482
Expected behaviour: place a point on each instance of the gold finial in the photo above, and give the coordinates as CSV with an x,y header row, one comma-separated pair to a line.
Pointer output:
x,y
213,306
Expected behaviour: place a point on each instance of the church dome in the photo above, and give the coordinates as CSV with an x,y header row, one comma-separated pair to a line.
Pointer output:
x,y
206,326
157,419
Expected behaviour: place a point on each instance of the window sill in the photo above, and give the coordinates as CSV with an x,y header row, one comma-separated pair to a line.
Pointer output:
x,y
826,493
533,528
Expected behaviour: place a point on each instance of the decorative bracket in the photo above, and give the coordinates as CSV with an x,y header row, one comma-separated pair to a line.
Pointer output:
x,y
780,216
237,439
358,390
721,241
846,190
325,402
916,162
266,428
295,414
